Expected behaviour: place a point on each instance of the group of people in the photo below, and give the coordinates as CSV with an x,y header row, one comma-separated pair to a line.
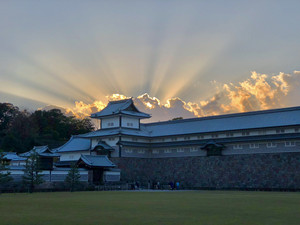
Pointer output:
x,y
173,185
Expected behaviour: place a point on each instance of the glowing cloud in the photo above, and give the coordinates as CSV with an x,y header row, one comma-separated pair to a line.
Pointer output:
x,y
258,92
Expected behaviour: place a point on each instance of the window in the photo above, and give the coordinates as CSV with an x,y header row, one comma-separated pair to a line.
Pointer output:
x,y
271,145
279,131
200,136
238,146
254,145
155,151
129,124
214,135
186,138
290,144
180,150
229,134
167,151
111,139
128,150
111,124
296,130
134,139
141,151
245,133
174,139
193,149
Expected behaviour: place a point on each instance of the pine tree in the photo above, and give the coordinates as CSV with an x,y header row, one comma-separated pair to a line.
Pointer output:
x,y
32,176
73,177
4,176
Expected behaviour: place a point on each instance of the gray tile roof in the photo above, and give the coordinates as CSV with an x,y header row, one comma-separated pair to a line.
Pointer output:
x,y
76,143
97,161
12,156
230,122
120,107
41,151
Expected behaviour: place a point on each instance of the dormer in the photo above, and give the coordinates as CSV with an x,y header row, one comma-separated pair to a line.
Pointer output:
x,y
121,113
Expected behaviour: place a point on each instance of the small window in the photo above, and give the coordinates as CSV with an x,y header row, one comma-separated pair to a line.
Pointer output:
x,y
296,130
179,150
167,151
200,136
271,145
129,124
238,146
229,134
290,144
174,139
254,145
134,139
111,124
155,151
214,135
245,133
186,138
141,151
111,139
193,149
280,131
128,150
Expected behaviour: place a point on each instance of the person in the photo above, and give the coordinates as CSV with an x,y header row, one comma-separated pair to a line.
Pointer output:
x,y
177,185
158,185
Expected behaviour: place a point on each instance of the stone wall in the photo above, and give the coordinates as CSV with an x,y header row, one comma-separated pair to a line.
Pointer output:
x,y
253,171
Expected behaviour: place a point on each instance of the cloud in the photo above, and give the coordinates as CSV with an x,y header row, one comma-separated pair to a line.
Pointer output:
x,y
258,92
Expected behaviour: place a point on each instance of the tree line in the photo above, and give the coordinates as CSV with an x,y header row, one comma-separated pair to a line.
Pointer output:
x,y
21,130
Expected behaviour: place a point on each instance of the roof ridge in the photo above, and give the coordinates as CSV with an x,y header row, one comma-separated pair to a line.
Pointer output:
x,y
240,114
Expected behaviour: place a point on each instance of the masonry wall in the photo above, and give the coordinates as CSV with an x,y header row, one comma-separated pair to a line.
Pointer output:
x,y
252,171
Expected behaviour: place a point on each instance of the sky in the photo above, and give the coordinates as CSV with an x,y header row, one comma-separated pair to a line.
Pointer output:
x,y
175,58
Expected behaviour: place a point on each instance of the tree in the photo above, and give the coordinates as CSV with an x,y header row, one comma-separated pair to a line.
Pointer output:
x,y
32,176
4,176
73,177
177,118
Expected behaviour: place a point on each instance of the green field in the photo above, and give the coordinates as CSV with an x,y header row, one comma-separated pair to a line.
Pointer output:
x,y
191,207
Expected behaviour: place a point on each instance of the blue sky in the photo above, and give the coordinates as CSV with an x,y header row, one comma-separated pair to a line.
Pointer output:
x,y
62,52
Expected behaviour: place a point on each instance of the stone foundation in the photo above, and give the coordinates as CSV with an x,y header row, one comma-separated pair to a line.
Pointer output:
x,y
280,171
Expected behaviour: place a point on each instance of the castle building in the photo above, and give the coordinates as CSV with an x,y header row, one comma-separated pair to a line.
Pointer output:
x,y
196,151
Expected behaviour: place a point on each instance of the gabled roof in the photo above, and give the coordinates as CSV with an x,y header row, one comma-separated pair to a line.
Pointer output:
x,y
96,161
41,151
75,143
125,106
239,121
103,145
12,156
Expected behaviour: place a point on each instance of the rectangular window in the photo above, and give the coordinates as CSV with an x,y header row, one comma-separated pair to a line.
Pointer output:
x,y
111,139
254,145
200,136
271,145
174,139
193,149
238,146
129,124
180,150
245,133
290,144
141,151
214,135
296,130
229,134
128,150
110,124
134,139
280,131
167,151
155,151
186,138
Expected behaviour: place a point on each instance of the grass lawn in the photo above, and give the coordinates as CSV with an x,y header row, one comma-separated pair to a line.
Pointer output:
x,y
191,207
